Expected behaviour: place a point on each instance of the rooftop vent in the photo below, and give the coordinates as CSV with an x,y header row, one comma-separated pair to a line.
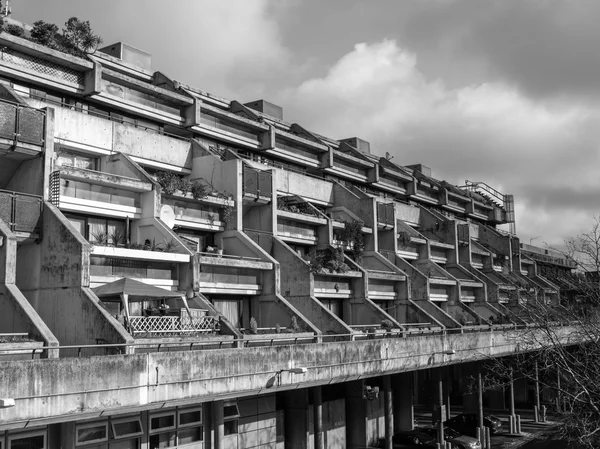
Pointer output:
x,y
266,108
359,144
420,168
129,54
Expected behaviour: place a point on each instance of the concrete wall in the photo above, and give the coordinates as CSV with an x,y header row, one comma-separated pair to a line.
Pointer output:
x,y
297,286
18,315
58,287
257,422
407,213
91,386
77,130
308,187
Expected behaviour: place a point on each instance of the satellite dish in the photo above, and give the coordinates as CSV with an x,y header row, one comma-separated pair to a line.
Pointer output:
x,y
167,215
388,156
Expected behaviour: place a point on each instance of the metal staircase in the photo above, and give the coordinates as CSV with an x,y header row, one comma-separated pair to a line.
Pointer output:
x,y
505,202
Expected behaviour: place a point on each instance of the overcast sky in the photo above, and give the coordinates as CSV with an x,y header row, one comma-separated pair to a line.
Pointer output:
x,y
501,91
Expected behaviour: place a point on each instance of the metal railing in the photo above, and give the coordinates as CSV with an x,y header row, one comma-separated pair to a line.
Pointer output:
x,y
21,211
21,123
410,330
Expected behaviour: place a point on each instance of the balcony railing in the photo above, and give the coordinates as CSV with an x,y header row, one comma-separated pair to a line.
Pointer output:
x,y
168,326
21,211
22,123
257,183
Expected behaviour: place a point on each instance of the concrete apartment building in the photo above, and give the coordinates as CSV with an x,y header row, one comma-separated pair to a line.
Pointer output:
x,y
178,269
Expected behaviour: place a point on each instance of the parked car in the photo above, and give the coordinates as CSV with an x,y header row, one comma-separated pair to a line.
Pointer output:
x,y
410,439
466,423
426,437
456,439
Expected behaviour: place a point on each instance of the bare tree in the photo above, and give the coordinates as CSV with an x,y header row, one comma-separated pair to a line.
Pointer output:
x,y
560,349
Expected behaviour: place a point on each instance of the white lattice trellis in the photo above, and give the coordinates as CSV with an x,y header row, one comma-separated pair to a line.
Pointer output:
x,y
172,325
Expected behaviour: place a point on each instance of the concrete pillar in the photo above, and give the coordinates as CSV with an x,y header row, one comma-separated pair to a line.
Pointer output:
x,y
318,417
558,391
448,383
404,414
479,398
296,419
388,411
511,393
356,415
537,387
441,412
219,429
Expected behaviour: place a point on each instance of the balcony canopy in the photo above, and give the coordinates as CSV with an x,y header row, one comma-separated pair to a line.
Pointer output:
x,y
134,290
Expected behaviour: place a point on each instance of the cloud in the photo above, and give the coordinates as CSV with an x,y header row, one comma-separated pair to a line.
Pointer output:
x,y
484,132
232,49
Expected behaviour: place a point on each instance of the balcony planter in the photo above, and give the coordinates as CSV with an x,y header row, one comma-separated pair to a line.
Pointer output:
x,y
138,254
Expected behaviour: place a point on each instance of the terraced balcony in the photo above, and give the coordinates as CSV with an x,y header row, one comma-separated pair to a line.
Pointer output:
x,y
22,129
22,213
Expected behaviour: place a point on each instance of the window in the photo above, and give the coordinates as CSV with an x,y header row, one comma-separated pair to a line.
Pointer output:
x,y
31,440
127,427
99,230
77,160
176,429
91,433
231,413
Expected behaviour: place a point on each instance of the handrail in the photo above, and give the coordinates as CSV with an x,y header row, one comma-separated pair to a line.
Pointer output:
x,y
242,342
228,256
474,185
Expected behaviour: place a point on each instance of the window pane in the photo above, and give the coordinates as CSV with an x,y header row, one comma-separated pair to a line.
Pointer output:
x,y
91,434
190,417
133,443
161,440
160,422
127,428
33,442
190,435
231,427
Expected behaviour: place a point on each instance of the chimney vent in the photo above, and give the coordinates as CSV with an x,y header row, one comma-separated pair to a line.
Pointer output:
x,y
266,108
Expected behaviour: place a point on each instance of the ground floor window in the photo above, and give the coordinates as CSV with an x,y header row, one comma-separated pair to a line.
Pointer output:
x,y
29,440
231,415
176,428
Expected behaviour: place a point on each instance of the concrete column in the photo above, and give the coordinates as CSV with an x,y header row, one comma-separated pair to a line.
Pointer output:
x,y
441,415
537,387
217,421
296,419
479,398
388,410
356,415
318,417
511,393
404,414
558,392
448,383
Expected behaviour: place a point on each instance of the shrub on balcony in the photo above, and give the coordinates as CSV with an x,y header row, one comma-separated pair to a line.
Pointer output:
x,y
403,239
353,238
329,260
14,30
168,181
199,190
185,186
